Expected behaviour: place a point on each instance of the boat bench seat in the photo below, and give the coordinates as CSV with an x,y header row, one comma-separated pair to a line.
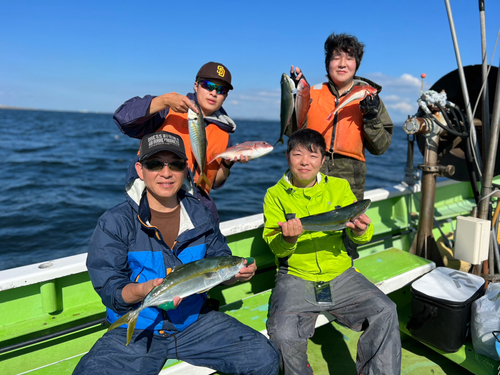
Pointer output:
x,y
390,270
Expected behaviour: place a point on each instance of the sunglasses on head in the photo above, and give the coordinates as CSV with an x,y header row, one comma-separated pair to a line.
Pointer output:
x,y
210,86
157,165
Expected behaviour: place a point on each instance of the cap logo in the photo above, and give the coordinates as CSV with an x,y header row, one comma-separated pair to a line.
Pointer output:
x,y
221,71
162,139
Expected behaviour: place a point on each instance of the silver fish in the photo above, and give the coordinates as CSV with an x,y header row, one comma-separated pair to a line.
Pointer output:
x,y
198,139
331,220
183,281
287,104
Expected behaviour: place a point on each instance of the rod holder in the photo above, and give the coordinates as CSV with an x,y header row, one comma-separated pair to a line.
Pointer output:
x,y
49,296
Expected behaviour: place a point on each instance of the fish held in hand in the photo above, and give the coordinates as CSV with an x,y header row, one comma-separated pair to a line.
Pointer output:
x,y
250,149
302,102
198,140
357,93
332,220
287,104
186,279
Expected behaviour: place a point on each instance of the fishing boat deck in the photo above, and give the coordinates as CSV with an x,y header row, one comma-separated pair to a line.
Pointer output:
x,y
52,316
390,270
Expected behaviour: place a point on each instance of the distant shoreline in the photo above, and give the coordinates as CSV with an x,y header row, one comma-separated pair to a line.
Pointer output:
x,y
50,110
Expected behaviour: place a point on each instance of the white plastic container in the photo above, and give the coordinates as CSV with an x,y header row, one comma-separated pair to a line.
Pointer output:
x,y
472,239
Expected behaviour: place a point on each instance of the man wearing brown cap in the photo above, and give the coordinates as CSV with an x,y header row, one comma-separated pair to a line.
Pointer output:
x,y
168,112
135,244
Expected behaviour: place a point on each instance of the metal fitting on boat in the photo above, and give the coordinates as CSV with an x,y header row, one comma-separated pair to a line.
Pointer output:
x,y
439,170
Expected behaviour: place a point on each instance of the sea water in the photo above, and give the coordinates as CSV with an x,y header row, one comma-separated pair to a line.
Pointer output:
x,y
62,170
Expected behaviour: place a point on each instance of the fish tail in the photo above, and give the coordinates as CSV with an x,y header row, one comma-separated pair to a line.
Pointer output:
x,y
131,327
274,231
203,178
130,319
278,141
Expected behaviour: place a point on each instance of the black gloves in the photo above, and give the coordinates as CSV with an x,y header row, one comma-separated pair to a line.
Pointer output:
x,y
369,107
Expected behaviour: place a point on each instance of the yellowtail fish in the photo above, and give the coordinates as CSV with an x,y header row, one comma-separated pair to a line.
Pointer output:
x,y
287,104
302,102
330,221
183,281
198,138
358,92
250,149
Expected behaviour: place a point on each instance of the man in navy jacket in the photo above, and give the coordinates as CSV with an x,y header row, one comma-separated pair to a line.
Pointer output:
x,y
134,246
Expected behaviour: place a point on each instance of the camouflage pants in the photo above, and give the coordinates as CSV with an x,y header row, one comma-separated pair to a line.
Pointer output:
x,y
352,170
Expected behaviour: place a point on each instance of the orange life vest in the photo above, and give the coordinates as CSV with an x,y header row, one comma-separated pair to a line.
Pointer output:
x,y
217,140
347,123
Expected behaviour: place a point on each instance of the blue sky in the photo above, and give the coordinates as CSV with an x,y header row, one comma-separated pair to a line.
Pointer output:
x,y
93,55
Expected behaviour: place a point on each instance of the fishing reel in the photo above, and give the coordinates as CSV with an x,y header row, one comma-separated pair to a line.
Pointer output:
x,y
452,148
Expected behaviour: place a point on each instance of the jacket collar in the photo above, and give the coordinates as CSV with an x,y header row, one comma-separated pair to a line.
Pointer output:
x,y
219,117
358,81
316,190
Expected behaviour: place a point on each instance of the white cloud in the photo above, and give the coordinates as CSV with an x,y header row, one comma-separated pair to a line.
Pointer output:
x,y
404,108
404,83
399,95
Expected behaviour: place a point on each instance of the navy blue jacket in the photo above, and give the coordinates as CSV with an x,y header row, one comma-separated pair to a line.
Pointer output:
x,y
132,120
125,248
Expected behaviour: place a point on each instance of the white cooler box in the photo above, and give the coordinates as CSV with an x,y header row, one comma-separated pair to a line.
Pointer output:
x,y
441,305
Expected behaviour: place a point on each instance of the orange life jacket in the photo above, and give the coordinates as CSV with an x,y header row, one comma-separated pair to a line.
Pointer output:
x,y
217,140
347,123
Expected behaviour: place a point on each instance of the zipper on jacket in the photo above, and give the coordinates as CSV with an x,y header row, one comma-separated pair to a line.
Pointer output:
x,y
334,129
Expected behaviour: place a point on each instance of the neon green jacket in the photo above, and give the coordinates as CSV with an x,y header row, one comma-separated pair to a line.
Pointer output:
x,y
317,256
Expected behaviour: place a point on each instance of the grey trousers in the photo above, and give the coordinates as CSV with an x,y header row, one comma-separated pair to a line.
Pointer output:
x,y
357,304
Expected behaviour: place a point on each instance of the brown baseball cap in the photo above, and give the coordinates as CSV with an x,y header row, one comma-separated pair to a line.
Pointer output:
x,y
213,70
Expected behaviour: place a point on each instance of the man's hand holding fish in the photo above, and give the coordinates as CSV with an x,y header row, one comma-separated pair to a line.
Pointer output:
x,y
245,274
136,292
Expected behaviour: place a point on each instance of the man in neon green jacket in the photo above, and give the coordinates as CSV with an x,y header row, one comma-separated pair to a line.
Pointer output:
x,y
315,271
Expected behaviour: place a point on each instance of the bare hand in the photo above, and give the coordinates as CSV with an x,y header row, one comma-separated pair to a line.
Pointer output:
x,y
246,273
133,292
243,159
292,229
179,103
297,71
359,225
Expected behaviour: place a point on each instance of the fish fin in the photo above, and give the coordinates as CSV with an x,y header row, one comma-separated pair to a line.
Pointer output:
x,y
131,327
278,141
208,275
129,319
177,268
203,178
122,320
290,216
203,291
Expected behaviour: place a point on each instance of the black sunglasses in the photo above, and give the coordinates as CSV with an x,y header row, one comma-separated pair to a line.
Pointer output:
x,y
210,86
157,165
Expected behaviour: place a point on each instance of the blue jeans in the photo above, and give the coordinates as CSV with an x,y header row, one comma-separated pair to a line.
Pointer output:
x,y
215,340
357,304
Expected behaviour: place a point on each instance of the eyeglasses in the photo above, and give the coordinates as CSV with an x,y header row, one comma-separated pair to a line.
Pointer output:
x,y
210,86
157,165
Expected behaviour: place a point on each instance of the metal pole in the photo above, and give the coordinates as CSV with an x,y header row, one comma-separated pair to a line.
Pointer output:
x,y
463,83
428,197
485,95
492,152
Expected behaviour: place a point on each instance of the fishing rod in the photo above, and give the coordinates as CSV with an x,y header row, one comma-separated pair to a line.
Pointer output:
x,y
485,93
463,84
